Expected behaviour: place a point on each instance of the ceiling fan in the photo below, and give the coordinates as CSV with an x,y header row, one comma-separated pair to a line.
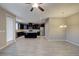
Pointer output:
x,y
36,5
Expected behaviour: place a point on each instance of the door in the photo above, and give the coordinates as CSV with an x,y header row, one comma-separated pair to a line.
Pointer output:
x,y
10,29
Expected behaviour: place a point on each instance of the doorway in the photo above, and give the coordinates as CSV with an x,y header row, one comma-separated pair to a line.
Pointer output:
x,y
10,29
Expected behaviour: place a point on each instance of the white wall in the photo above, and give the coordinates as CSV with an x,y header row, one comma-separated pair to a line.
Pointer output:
x,y
72,33
16,26
54,31
47,29
3,27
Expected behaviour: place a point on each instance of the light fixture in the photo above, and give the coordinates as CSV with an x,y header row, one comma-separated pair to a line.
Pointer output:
x,y
63,26
35,5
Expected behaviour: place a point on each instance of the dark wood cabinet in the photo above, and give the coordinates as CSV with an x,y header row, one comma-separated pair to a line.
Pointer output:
x,y
32,26
31,35
19,34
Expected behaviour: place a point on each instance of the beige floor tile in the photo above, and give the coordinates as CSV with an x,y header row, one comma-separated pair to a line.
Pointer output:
x,y
40,47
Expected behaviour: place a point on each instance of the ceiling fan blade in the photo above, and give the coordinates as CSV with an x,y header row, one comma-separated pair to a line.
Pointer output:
x,y
41,8
31,9
40,3
27,3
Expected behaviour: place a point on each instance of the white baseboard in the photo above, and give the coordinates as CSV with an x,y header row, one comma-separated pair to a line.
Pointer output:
x,y
10,42
4,46
55,40
73,42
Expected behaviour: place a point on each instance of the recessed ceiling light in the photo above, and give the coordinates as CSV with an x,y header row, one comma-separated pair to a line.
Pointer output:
x,y
35,5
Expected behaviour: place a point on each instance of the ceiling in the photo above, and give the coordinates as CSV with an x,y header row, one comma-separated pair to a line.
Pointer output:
x,y
22,10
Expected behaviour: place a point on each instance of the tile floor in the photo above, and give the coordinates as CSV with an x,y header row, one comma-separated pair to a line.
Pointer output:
x,y
40,47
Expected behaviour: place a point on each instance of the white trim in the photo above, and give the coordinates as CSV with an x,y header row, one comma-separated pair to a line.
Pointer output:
x,y
4,46
72,42
55,40
8,43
